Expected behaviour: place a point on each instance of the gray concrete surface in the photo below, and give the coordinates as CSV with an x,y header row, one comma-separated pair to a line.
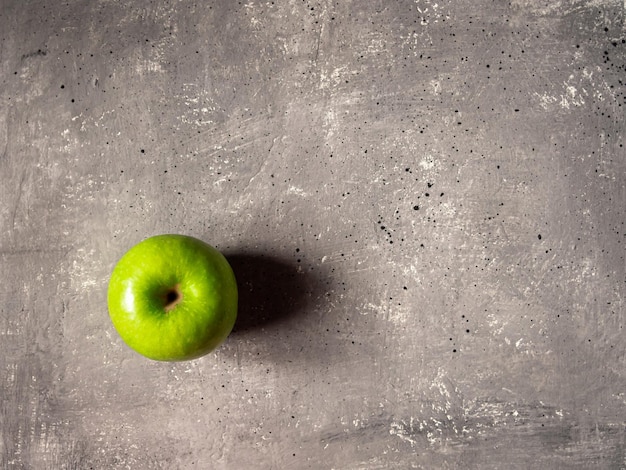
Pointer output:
x,y
424,202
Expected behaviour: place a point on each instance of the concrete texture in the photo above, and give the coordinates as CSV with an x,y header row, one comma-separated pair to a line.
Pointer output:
x,y
424,202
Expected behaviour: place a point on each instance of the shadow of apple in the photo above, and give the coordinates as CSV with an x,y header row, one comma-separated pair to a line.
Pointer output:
x,y
271,290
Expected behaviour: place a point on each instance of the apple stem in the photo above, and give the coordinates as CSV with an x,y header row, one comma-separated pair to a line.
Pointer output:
x,y
172,298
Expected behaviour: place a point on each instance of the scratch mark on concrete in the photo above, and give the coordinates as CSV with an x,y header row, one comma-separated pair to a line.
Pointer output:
x,y
16,205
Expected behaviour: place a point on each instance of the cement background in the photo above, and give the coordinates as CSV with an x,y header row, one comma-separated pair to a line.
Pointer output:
x,y
424,202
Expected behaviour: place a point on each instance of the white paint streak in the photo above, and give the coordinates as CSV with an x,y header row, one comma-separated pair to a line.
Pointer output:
x,y
297,191
427,163
572,93
83,273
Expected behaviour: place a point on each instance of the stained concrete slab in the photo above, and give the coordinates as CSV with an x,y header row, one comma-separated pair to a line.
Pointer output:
x,y
424,202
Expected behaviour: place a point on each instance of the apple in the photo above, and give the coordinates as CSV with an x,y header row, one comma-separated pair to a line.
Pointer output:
x,y
173,298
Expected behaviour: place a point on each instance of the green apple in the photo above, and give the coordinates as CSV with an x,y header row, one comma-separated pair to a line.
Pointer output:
x,y
173,298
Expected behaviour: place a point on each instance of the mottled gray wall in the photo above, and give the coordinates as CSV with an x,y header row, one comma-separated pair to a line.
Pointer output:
x,y
424,202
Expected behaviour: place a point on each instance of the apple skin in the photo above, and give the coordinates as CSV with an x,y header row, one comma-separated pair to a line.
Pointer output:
x,y
173,298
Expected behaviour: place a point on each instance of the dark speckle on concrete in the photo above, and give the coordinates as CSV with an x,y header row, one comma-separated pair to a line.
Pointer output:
x,y
424,203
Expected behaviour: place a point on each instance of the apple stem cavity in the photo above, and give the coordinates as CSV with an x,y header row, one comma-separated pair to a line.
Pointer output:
x,y
172,298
